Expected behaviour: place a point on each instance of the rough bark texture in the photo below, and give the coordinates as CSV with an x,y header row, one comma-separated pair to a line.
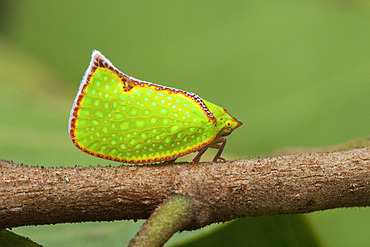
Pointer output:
x,y
218,191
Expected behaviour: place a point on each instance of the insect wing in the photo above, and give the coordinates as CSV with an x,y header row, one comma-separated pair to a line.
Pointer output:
x,y
124,119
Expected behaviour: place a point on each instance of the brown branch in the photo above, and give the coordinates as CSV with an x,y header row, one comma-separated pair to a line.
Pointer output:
x,y
218,191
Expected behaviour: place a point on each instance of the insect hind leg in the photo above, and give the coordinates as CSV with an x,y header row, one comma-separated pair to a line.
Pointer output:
x,y
201,152
168,162
220,148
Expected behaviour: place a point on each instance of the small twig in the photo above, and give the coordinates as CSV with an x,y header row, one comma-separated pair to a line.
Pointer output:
x,y
170,217
218,191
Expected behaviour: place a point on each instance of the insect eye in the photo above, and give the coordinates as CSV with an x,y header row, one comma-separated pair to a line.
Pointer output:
x,y
228,123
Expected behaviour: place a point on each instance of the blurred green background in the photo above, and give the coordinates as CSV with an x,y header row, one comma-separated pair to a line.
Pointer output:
x,y
297,73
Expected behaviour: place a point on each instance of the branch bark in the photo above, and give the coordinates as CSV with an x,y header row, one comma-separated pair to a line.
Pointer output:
x,y
218,191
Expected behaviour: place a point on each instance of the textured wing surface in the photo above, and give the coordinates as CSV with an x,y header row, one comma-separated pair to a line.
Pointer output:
x,y
120,118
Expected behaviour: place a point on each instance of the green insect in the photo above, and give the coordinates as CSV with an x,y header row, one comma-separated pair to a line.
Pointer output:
x,y
120,118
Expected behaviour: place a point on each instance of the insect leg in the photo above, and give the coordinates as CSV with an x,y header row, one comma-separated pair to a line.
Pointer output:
x,y
220,148
201,152
168,162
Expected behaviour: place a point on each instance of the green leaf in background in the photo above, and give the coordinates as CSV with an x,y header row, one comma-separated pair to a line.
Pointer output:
x,y
295,72
10,239
261,231
92,234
